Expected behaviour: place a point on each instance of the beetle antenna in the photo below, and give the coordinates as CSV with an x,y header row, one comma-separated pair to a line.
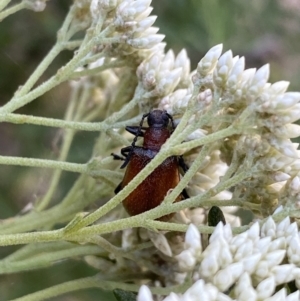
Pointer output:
x,y
139,129
172,121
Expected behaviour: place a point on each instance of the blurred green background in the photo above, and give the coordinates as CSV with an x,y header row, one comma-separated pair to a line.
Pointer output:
x,y
263,31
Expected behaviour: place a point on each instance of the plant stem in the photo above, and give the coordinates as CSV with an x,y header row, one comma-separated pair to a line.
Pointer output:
x,y
12,9
64,124
32,249
43,163
97,282
24,238
52,54
189,174
46,259
97,70
62,74
3,4
68,136
80,195
185,146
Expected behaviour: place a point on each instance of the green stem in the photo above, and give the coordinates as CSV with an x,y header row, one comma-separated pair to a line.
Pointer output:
x,y
3,4
62,74
43,163
112,119
33,249
185,146
74,125
189,174
80,195
71,45
46,259
69,135
235,163
97,70
24,238
159,158
67,287
11,10
110,248
162,210
52,54
67,140
64,31
94,282
58,123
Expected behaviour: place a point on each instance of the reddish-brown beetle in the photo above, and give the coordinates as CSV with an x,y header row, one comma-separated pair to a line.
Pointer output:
x,y
151,192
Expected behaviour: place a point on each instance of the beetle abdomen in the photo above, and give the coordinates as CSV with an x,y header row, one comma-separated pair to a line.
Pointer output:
x,y
151,192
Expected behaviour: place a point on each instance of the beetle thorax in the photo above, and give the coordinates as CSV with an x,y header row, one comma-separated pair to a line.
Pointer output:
x,y
154,138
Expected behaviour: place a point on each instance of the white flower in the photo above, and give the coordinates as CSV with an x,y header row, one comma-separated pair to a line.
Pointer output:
x,y
192,239
209,266
130,10
98,6
146,42
182,61
160,242
172,297
144,294
269,228
209,61
250,262
244,290
283,273
175,102
293,297
223,68
284,146
266,288
258,82
235,262
236,74
160,75
186,260
293,250
226,277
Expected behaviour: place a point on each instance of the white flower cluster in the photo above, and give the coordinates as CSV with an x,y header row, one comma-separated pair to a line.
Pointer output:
x,y
162,73
264,114
131,22
207,177
247,267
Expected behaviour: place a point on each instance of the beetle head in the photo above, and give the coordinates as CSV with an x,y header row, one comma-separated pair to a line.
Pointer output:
x,y
158,119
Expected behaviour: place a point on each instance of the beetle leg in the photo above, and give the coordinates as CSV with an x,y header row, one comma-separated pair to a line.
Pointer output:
x,y
182,164
135,130
118,188
117,157
139,129
126,152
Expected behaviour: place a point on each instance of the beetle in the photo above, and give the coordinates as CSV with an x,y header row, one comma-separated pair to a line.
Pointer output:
x,y
151,192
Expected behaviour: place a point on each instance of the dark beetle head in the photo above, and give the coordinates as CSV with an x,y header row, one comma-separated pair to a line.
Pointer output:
x,y
158,119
